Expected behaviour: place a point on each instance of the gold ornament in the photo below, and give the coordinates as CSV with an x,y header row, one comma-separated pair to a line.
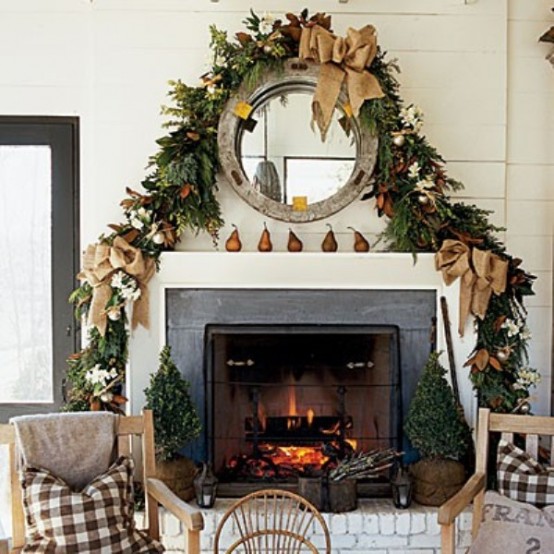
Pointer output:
x,y
399,140
524,408
114,314
158,238
503,355
423,199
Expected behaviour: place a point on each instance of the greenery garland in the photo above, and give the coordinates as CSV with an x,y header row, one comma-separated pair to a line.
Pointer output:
x,y
409,187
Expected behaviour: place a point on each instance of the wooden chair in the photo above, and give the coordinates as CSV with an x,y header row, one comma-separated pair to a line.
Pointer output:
x,y
156,492
273,521
474,489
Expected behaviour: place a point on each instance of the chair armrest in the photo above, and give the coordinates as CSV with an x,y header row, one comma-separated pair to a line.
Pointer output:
x,y
191,517
453,507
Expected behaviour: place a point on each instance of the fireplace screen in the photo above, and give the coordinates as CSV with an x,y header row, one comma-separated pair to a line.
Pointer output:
x,y
284,401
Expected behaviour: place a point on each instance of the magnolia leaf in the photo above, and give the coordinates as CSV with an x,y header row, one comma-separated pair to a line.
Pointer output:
x,y
115,227
243,38
482,358
495,363
130,235
132,192
127,203
498,322
95,405
193,135
293,19
388,207
119,399
185,191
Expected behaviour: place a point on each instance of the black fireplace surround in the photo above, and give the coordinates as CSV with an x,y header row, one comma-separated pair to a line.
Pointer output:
x,y
298,367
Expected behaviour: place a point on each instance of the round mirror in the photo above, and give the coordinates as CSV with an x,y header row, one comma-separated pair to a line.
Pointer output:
x,y
274,156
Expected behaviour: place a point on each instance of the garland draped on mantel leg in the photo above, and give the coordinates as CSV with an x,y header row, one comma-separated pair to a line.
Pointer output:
x,y
409,187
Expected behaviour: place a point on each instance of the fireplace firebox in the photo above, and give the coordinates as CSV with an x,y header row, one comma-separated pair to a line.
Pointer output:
x,y
285,401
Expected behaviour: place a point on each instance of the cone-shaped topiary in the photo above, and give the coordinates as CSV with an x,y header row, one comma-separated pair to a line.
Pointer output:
x,y
434,424
175,419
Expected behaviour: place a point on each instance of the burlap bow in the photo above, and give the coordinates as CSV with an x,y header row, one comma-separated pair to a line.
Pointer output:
x,y
100,262
340,58
481,273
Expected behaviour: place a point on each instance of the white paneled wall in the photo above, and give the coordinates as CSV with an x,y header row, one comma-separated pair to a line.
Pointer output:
x,y
529,196
476,69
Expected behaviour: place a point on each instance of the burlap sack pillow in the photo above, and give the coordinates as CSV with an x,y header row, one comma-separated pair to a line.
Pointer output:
x,y
512,527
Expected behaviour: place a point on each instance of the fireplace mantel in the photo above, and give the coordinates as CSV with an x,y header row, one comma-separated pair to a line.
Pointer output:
x,y
280,270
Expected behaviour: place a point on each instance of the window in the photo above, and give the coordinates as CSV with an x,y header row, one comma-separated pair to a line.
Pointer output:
x,y
39,259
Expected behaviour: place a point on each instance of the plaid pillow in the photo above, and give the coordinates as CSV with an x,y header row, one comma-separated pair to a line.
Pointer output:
x,y
98,519
523,478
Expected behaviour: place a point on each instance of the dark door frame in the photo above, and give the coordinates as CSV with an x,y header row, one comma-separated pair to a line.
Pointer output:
x,y
62,135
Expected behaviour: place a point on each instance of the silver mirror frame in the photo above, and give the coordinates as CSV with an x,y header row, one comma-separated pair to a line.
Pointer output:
x,y
296,76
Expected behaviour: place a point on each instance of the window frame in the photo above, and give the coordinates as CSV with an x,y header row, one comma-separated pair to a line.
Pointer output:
x,y
62,135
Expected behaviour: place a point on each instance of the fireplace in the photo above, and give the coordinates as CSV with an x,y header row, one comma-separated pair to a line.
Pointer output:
x,y
285,401
192,313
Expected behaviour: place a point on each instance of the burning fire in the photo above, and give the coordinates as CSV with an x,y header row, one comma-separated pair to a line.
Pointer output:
x,y
296,458
292,400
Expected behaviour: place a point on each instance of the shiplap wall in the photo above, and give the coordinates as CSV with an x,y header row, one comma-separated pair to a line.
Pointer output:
x,y
476,69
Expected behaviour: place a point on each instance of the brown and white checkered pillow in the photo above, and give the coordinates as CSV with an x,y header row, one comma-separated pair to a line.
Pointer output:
x,y
98,519
523,478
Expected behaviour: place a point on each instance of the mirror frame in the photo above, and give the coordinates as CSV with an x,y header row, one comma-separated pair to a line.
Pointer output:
x,y
296,75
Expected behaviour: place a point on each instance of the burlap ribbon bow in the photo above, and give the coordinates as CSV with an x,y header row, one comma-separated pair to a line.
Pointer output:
x,y
100,262
340,58
481,273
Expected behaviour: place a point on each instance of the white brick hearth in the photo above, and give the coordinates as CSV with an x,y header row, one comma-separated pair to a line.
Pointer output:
x,y
376,527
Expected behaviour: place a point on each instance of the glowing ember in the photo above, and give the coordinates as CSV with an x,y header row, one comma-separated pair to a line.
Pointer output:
x,y
310,417
296,458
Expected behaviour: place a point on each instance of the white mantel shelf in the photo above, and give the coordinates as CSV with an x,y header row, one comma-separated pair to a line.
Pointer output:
x,y
298,270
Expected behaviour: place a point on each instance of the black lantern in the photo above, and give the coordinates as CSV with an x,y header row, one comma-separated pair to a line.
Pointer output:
x,y
401,485
205,487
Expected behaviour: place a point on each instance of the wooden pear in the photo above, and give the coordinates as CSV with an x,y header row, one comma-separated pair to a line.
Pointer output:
x,y
360,242
233,243
264,245
294,244
329,243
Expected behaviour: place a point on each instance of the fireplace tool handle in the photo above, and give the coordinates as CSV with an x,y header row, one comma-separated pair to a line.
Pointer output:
x,y
255,393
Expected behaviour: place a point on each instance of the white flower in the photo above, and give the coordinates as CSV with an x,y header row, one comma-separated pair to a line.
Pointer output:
x,y
139,218
117,280
130,293
136,223
412,116
527,377
106,397
525,333
100,376
266,23
413,170
511,327
424,184
126,286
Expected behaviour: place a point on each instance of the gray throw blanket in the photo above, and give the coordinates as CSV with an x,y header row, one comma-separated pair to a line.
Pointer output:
x,y
73,446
